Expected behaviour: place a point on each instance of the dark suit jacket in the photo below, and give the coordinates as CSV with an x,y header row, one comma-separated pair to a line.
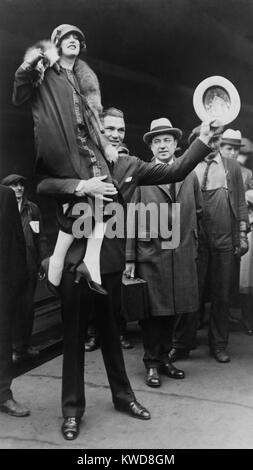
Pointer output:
x,y
128,172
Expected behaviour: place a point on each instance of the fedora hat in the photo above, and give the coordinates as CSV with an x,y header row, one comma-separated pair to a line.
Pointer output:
x,y
216,98
232,137
161,126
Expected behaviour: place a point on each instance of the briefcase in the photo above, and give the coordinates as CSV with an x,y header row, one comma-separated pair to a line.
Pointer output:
x,y
135,303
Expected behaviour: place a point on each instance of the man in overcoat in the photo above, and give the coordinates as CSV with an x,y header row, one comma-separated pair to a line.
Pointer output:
x,y
36,248
171,273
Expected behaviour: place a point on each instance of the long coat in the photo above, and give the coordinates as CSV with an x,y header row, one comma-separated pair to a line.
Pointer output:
x,y
57,152
171,274
12,275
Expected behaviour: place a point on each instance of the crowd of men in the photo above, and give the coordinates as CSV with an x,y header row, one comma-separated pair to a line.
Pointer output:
x,y
214,191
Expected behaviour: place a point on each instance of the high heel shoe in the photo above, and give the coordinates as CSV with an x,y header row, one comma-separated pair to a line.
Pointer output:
x,y
54,290
82,271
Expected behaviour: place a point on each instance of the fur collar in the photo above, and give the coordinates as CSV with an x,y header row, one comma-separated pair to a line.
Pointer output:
x,y
87,79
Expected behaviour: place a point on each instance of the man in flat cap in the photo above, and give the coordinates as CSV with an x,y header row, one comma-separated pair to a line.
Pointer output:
x,y
35,251
12,277
170,272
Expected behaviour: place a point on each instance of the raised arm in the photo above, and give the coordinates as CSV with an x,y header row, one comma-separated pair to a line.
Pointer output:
x,y
149,174
25,77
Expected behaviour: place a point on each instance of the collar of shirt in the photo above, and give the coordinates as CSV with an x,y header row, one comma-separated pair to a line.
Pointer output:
x,y
216,159
163,163
217,175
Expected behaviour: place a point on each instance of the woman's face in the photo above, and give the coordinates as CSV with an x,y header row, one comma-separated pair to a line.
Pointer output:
x,y
70,45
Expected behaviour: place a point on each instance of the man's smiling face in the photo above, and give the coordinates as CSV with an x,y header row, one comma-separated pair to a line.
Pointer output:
x,y
114,129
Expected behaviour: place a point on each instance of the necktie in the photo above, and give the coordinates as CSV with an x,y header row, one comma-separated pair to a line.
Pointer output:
x,y
204,181
173,192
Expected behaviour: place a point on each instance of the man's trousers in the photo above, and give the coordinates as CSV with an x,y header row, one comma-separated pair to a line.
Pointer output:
x,y
76,301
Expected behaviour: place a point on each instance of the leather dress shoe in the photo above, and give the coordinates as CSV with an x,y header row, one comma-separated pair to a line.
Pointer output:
x,y
220,355
172,372
153,378
70,428
125,344
92,344
13,408
176,354
134,409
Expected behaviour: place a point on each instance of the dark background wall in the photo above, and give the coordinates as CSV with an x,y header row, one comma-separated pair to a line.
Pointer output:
x,y
149,55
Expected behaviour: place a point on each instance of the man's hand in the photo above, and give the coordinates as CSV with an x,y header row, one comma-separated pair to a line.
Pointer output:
x,y
206,132
244,244
243,247
130,270
96,187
